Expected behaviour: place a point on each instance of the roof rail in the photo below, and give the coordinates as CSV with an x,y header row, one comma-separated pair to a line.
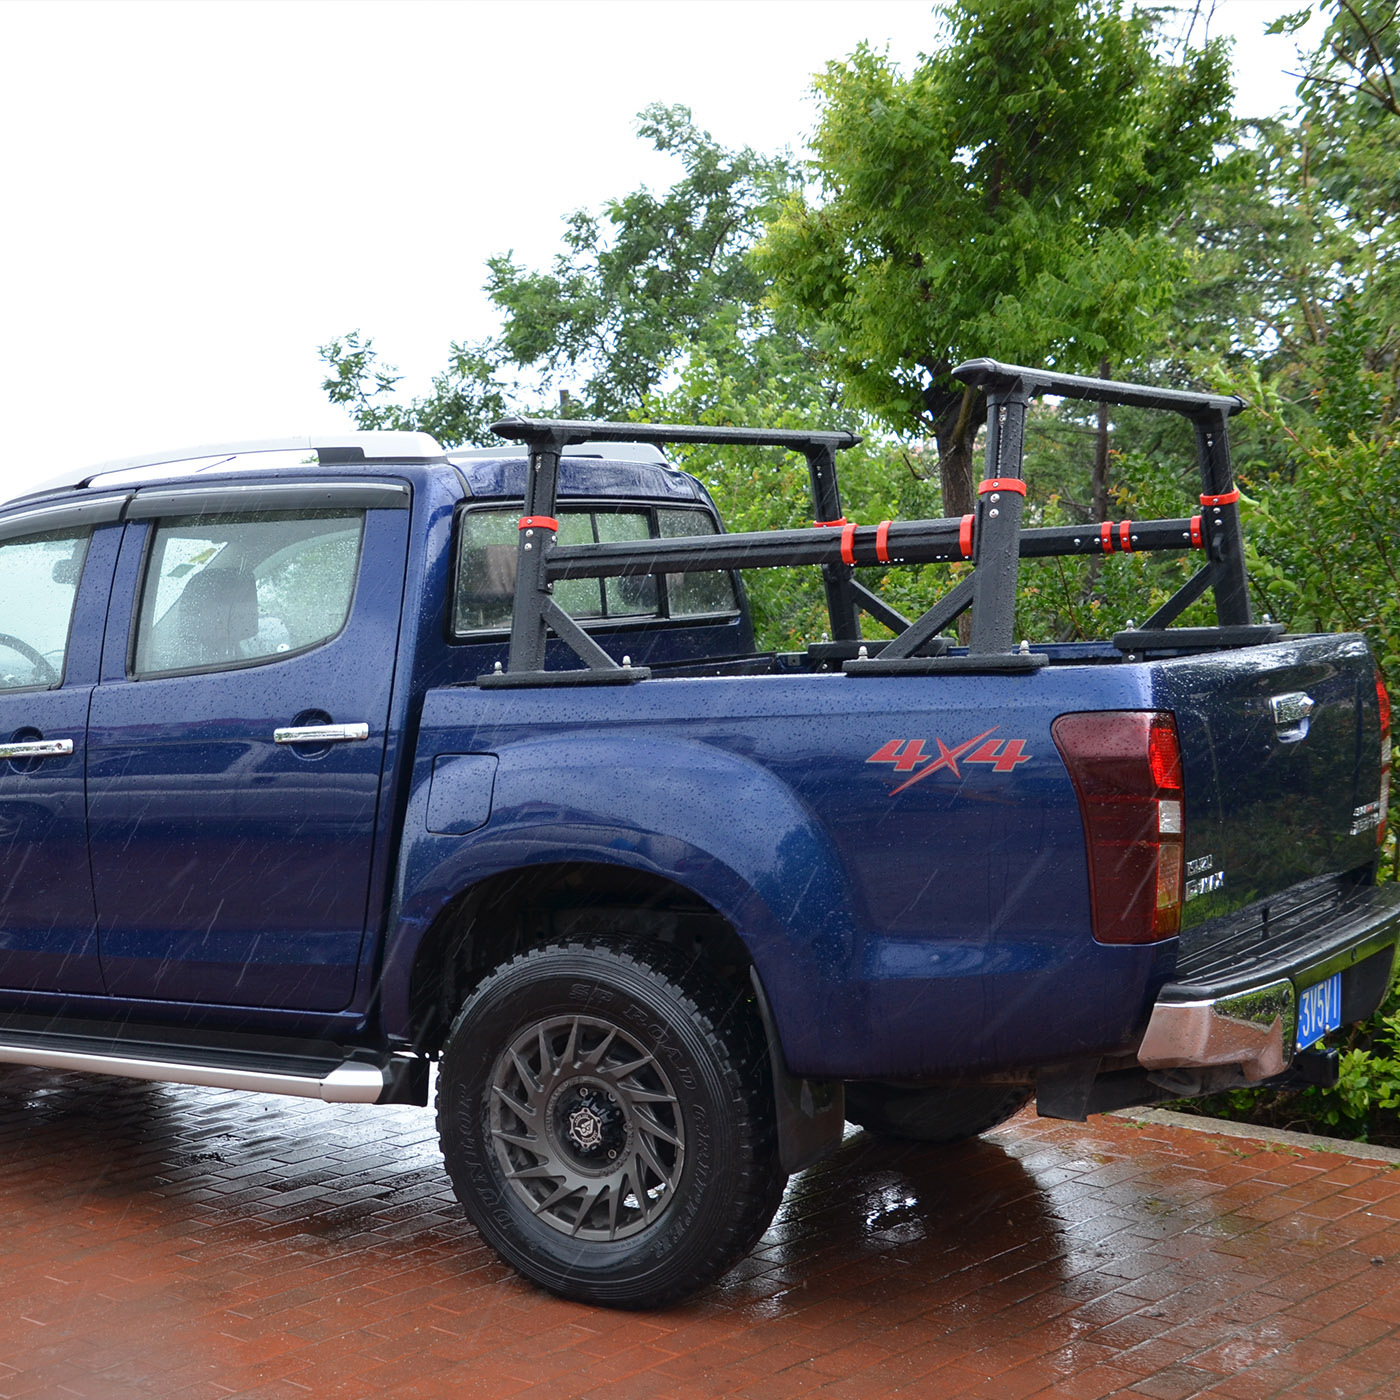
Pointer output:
x,y
330,449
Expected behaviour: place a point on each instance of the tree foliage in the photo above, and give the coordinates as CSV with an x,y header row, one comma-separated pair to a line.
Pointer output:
x,y
652,278
467,396
1012,196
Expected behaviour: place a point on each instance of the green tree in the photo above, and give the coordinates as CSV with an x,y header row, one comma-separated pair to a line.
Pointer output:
x,y
654,277
637,289
1011,196
466,398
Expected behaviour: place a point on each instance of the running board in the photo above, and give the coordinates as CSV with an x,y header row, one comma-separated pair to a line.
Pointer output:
x,y
353,1081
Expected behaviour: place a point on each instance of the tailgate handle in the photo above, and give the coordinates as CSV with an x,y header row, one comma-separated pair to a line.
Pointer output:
x,y
1291,711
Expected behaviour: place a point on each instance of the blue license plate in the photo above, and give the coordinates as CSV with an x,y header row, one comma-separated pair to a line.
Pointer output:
x,y
1319,1010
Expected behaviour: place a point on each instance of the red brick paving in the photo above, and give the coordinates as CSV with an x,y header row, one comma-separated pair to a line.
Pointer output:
x,y
174,1242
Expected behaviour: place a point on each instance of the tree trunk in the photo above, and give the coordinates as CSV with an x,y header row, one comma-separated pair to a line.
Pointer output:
x,y
955,432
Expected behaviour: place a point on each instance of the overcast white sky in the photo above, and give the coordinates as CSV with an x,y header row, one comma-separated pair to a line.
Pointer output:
x,y
196,195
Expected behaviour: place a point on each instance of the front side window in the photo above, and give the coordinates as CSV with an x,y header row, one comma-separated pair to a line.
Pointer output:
x,y
237,590
38,586
486,559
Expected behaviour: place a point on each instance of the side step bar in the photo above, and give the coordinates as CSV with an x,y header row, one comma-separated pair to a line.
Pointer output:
x,y
353,1081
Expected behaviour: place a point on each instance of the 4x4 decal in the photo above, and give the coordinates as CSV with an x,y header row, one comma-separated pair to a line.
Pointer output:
x,y
908,755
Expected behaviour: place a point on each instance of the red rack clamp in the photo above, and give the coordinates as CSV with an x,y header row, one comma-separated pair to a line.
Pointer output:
x,y
1228,499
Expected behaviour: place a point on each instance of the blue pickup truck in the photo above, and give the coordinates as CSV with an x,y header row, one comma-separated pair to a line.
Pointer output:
x,y
327,763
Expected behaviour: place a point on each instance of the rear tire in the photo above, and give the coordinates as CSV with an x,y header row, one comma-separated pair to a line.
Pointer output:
x,y
942,1114
606,1117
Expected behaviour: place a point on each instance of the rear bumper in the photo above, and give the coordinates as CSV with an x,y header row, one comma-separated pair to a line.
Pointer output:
x,y
1254,1027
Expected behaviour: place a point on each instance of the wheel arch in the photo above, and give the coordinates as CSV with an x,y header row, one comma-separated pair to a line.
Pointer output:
x,y
510,911
505,914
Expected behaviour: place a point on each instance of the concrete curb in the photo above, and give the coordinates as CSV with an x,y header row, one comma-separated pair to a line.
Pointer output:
x,y
1224,1127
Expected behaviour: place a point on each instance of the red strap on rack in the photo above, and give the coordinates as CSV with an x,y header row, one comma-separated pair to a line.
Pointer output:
x,y
882,541
829,524
1125,537
1002,483
1228,499
1197,537
1106,536
538,522
848,544
965,536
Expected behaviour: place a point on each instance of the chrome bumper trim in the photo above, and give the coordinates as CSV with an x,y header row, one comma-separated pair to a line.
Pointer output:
x,y
347,1083
1255,1030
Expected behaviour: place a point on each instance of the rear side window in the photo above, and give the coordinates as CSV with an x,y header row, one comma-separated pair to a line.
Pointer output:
x,y
226,590
486,557
38,586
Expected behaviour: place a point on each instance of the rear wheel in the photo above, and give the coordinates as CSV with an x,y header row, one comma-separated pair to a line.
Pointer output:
x,y
941,1114
606,1119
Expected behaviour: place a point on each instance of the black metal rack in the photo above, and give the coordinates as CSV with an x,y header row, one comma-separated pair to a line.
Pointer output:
x,y
992,538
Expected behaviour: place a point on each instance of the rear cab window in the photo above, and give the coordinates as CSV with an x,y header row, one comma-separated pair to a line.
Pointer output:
x,y
488,539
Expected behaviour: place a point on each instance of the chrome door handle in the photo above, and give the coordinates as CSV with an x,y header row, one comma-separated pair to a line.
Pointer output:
x,y
37,748
319,733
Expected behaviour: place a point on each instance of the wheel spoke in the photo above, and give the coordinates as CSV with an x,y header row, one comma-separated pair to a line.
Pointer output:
x,y
590,1199
530,1142
570,1047
527,1075
646,1155
560,1192
654,1129
592,1059
548,1064
524,1112
648,1095
617,1073
541,1171
644,1200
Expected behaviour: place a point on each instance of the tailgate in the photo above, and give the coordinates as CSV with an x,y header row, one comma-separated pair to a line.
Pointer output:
x,y
1281,756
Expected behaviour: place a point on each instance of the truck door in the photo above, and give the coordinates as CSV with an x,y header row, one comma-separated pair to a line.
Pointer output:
x,y
238,739
50,640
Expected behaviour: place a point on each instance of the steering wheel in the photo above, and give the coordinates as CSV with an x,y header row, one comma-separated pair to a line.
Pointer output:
x,y
43,671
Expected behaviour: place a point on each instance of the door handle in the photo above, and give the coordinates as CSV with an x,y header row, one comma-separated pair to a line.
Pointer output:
x,y
318,733
37,748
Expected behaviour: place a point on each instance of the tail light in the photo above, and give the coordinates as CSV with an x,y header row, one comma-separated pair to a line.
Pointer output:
x,y
1126,770
1384,701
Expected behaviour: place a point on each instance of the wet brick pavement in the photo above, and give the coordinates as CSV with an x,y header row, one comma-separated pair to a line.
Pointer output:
x,y
160,1241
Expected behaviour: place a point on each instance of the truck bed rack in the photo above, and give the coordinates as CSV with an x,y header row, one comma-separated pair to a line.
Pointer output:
x,y
991,538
